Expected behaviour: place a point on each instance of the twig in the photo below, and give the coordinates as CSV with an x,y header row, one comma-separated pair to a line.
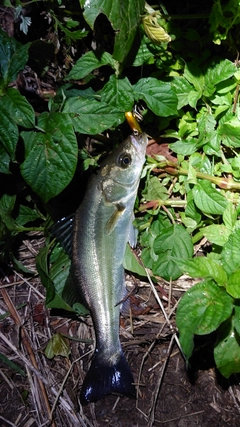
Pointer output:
x,y
27,346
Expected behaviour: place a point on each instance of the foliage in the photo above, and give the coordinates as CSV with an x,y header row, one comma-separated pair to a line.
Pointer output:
x,y
184,81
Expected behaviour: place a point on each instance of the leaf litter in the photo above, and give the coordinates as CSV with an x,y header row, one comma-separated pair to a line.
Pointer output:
x,y
49,392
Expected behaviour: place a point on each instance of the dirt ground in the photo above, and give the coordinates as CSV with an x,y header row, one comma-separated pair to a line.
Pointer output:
x,y
45,392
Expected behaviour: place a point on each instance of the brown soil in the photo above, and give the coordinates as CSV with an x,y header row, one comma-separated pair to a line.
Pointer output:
x,y
167,394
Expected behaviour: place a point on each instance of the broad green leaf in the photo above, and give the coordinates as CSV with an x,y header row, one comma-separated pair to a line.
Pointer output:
x,y
19,108
118,92
203,267
230,132
124,18
4,160
155,190
227,349
208,199
51,156
233,285
57,346
216,233
7,204
8,130
193,97
218,72
89,62
230,216
172,242
143,55
26,215
132,264
159,96
194,74
236,317
182,88
230,253
201,311
91,116
185,147
13,57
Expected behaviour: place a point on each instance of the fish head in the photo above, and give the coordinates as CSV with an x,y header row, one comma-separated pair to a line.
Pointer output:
x,y
124,165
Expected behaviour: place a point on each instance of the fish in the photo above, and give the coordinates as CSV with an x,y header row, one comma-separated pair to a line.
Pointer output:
x,y
100,230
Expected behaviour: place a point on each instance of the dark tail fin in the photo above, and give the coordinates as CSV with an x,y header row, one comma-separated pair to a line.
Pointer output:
x,y
103,379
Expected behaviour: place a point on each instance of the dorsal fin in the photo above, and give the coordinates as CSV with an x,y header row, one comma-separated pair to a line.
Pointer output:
x,y
62,230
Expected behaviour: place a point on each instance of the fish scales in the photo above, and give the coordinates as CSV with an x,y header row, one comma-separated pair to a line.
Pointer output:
x,y
101,229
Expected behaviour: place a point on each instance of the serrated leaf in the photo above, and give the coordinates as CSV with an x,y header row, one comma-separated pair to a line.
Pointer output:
x,y
200,311
185,147
172,242
227,349
132,264
7,204
159,96
208,199
57,346
218,72
124,17
50,157
118,92
8,139
19,108
203,267
91,116
230,253
89,62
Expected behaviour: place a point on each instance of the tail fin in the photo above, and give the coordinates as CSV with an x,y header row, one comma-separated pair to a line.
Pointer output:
x,y
103,379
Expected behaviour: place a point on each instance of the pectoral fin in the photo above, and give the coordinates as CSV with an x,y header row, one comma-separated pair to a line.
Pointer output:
x,y
112,222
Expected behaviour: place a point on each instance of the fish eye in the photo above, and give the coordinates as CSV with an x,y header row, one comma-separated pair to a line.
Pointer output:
x,y
124,160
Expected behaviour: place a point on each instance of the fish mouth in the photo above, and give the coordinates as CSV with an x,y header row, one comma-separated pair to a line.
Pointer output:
x,y
139,143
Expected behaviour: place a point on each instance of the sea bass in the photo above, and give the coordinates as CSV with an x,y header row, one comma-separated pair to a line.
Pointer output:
x,y
101,228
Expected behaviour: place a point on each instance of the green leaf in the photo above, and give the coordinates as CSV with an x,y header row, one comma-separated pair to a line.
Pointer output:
x,y
208,199
172,242
57,346
12,365
89,62
203,267
10,137
13,57
230,132
4,160
218,72
194,74
230,253
7,204
216,233
233,285
227,349
159,96
26,215
132,264
124,17
118,92
19,109
155,190
50,157
91,116
200,311
182,88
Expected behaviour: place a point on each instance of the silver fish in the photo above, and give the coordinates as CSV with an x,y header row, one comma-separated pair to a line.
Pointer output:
x,y
100,231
